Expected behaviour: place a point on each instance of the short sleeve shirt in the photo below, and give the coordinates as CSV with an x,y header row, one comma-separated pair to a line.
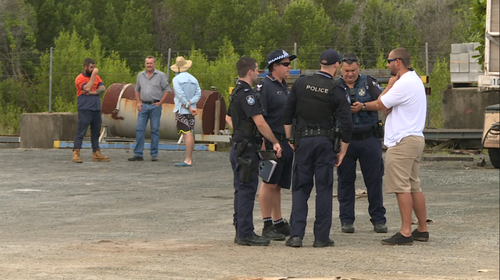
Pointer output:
x,y
272,97
408,102
247,106
152,88
88,102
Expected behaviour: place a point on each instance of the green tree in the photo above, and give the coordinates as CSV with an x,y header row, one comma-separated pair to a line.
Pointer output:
x,y
135,42
82,21
68,55
478,27
17,38
439,80
307,24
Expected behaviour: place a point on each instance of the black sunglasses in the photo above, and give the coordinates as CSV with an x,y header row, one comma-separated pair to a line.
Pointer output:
x,y
286,64
391,60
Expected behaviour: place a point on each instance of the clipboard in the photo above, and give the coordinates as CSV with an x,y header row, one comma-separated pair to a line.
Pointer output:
x,y
268,162
266,169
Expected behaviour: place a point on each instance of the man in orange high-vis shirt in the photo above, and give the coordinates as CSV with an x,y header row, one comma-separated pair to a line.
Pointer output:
x,y
89,86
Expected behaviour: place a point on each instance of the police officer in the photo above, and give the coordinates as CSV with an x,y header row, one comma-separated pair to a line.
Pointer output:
x,y
245,117
316,101
273,93
365,145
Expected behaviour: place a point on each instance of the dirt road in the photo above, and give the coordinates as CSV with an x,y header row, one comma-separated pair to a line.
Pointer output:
x,y
151,220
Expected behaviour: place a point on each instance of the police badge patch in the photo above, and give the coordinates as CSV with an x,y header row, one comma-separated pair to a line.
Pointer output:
x,y
362,92
259,87
348,98
250,100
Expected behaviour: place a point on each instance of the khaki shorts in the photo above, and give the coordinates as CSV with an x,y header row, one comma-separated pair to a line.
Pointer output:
x,y
402,165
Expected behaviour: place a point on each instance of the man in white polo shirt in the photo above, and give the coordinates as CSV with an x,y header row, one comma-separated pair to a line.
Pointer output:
x,y
404,101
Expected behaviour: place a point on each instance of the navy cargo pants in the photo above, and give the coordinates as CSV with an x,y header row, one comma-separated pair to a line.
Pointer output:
x,y
369,153
88,118
244,195
314,160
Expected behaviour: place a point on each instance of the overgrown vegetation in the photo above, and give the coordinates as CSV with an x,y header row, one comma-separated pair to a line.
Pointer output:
x,y
118,34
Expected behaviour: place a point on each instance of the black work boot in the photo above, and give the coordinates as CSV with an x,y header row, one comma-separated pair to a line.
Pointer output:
x,y
294,242
253,240
271,233
347,228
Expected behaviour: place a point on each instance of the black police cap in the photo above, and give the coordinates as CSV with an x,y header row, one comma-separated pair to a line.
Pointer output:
x,y
329,57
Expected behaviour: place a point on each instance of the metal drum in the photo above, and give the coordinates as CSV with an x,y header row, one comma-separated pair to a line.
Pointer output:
x,y
119,113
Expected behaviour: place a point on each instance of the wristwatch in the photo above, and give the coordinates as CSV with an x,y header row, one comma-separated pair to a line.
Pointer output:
x,y
364,107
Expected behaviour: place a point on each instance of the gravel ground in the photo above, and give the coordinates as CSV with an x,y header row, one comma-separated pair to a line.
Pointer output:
x,y
151,220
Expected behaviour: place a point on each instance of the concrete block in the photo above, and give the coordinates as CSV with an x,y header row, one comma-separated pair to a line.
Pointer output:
x,y
464,62
473,77
469,47
475,67
460,77
471,56
40,130
464,107
456,48
455,62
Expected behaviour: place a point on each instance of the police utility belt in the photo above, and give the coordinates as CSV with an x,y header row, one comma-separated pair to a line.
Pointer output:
x,y
330,133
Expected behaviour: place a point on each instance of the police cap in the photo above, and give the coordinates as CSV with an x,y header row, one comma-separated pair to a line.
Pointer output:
x,y
278,55
329,57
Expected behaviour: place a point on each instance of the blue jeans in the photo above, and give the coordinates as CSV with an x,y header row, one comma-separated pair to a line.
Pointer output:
x,y
150,113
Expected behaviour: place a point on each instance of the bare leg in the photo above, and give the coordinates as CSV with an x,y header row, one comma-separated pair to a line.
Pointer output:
x,y
266,194
276,204
405,203
420,211
189,138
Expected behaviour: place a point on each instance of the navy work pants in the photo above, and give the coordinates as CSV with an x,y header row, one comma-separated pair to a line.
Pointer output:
x,y
86,118
369,153
314,158
244,195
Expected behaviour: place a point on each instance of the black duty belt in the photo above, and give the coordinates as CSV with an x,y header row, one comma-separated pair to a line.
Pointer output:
x,y
316,132
150,102
361,136
280,137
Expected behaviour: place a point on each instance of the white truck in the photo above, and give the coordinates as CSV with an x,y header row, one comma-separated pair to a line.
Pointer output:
x,y
490,79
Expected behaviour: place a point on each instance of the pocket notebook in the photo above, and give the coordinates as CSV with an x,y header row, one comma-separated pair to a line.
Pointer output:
x,y
266,169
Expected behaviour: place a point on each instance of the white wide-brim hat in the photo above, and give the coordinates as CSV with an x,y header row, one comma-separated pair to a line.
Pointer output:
x,y
181,65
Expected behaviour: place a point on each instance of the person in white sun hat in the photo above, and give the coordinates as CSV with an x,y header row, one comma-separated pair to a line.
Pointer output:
x,y
187,94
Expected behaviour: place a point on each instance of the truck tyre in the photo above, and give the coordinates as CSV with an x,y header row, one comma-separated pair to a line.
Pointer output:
x,y
494,154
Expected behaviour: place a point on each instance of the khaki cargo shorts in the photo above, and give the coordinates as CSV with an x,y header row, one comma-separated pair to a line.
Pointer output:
x,y
402,165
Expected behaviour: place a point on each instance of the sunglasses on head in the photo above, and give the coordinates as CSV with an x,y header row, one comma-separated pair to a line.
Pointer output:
x,y
349,60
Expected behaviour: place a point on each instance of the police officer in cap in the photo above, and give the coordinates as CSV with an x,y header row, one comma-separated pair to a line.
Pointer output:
x,y
317,101
365,146
273,93
245,117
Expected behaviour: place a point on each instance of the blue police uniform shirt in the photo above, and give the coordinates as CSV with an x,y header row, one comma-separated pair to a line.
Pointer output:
x,y
272,97
246,103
